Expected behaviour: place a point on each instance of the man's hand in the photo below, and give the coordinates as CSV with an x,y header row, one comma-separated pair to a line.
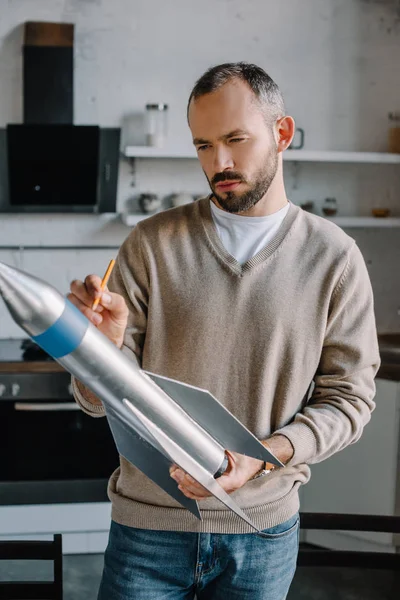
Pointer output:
x,y
240,470
111,314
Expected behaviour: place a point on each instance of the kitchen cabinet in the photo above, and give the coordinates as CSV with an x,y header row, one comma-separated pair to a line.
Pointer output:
x,y
364,478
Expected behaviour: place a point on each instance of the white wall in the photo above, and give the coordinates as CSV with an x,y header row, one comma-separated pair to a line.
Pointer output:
x,y
335,60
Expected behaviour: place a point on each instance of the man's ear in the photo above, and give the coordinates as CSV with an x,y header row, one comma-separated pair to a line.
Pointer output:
x,y
285,130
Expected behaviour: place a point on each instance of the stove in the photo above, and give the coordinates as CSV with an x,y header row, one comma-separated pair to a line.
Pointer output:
x,y
11,351
52,452
19,350
21,363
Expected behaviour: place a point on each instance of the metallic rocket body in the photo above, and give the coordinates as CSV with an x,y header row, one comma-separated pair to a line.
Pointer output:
x,y
155,421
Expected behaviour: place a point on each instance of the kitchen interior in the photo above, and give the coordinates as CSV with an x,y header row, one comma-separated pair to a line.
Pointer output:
x,y
112,80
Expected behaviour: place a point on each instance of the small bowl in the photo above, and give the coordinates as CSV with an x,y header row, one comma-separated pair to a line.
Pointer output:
x,y
380,213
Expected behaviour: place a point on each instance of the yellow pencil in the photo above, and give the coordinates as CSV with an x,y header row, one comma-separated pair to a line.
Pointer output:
x,y
104,282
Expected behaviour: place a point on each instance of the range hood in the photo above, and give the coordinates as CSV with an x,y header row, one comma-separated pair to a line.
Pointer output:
x,y
48,73
54,165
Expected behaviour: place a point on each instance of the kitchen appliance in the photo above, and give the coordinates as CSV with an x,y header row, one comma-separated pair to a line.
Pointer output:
x,y
51,451
53,165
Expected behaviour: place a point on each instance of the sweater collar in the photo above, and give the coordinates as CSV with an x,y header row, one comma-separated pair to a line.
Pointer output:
x,y
226,259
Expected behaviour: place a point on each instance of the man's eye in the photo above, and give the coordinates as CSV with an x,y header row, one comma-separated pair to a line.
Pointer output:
x,y
203,147
237,139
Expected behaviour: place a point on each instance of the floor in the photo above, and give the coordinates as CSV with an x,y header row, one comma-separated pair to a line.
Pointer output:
x,y
82,576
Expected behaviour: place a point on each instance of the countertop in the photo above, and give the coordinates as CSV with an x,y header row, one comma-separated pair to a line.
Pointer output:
x,y
386,371
31,367
389,347
389,344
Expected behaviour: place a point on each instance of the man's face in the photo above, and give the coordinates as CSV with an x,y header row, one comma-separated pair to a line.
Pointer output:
x,y
235,145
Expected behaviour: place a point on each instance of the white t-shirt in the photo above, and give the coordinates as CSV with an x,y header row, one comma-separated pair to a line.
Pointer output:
x,y
243,237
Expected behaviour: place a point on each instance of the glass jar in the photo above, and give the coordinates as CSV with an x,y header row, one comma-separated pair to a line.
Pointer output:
x,y
156,124
329,207
394,132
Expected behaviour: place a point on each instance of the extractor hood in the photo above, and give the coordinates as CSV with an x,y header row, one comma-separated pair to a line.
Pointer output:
x,y
54,165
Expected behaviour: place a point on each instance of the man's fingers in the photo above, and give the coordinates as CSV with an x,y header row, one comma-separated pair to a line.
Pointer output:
x,y
236,475
190,495
85,294
78,289
86,310
194,488
191,488
186,480
116,304
187,484
90,289
93,286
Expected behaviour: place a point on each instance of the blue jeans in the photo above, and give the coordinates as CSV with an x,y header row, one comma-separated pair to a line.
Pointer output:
x,y
143,564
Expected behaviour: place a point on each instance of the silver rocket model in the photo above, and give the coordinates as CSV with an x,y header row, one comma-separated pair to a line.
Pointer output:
x,y
155,421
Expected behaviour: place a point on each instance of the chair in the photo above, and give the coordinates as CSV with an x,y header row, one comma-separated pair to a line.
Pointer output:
x,y
315,557
33,550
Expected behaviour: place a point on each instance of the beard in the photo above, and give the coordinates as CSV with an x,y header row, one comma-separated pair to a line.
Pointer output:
x,y
259,185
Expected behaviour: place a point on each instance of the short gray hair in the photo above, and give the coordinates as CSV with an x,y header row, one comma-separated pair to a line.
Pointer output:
x,y
265,89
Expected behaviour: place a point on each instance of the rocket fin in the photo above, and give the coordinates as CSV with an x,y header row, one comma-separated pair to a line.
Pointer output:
x,y
190,465
210,414
147,459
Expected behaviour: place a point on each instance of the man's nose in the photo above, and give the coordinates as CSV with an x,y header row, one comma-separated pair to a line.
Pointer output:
x,y
222,159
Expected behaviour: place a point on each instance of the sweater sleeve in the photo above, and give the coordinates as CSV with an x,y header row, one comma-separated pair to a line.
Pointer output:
x,y
129,279
343,397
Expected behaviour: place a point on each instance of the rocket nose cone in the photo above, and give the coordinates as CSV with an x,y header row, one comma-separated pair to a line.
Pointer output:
x,y
33,304
10,277
6,277
4,270
8,274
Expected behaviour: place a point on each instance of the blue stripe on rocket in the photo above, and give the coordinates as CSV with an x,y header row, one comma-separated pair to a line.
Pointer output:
x,y
65,335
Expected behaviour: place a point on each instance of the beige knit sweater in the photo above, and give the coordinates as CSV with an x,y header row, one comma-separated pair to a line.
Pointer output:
x,y
257,336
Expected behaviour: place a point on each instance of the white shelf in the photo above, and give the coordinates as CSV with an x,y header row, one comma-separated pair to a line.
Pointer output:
x,y
291,155
366,221
133,219
151,152
342,157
